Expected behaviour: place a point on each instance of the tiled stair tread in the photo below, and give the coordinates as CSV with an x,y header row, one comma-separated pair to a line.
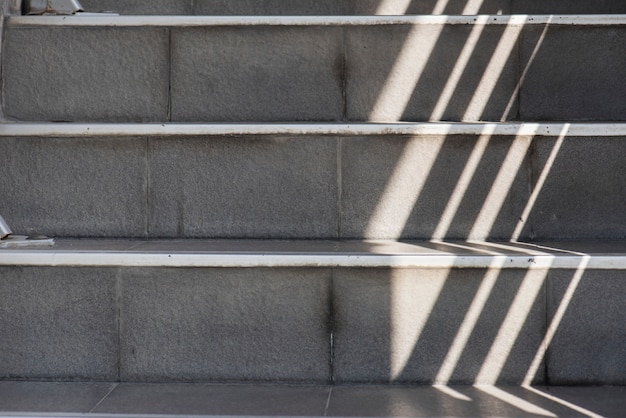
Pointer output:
x,y
178,21
26,129
73,399
313,253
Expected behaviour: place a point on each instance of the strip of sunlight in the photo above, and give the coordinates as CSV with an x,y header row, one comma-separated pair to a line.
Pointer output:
x,y
402,190
411,306
405,73
515,401
510,329
522,78
452,393
556,321
440,7
500,188
472,7
392,7
467,326
462,184
459,69
540,183
494,70
563,402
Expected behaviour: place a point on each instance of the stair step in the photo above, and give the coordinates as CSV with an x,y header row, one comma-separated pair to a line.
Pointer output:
x,y
110,400
315,312
320,181
312,68
348,7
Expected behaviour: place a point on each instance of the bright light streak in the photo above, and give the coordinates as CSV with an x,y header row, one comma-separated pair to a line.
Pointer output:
x,y
511,327
492,73
412,302
452,393
513,400
563,402
392,7
472,7
403,188
461,187
556,321
440,7
540,183
500,188
405,73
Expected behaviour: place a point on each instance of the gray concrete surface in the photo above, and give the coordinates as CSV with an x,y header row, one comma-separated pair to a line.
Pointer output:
x,y
257,74
86,74
58,323
244,188
583,194
74,187
176,400
225,325
588,347
401,326
416,187
576,73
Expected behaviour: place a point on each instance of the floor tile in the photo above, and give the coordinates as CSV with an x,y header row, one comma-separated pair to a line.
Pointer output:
x,y
51,397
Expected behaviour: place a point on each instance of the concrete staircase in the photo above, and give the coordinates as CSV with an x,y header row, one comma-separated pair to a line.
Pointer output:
x,y
352,192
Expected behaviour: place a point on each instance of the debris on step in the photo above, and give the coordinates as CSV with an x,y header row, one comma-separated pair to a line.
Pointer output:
x,y
8,240
51,7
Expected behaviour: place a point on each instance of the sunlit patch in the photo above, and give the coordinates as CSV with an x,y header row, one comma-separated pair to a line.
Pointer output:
x,y
393,7
563,402
515,401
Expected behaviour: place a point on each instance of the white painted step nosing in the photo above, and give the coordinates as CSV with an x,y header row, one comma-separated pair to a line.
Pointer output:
x,y
195,21
340,129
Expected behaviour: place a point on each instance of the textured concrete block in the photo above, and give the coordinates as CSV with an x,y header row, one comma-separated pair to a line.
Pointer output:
x,y
434,326
433,187
588,346
431,72
272,7
583,193
86,74
568,7
139,7
58,323
573,73
242,187
225,325
257,74
427,7
74,187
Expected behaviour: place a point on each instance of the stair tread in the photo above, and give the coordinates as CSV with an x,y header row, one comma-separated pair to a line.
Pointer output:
x,y
320,253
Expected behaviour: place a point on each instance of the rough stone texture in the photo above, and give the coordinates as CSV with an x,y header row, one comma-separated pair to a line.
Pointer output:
x,y
86,74
272,7
257,74
74,187
451,7
392,74
588,347
225,325
409,187
567,7
576,74
244,187
399,325
58,323
139,7
583,195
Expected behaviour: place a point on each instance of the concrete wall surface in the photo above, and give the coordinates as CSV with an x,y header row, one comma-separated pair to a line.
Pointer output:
x,y
238,325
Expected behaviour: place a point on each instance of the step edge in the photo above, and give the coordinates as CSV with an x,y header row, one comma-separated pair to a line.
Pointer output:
x,y
200,21
295,129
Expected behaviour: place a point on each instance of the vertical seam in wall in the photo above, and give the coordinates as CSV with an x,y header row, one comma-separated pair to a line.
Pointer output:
x,y
339,188
2,25
532,179
169,74
344,74
118,320
148,143
331,325
546,356
520,43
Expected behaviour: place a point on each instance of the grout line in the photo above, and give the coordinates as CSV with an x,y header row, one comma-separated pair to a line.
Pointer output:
x,y
169,75
148,181
103,399
339,188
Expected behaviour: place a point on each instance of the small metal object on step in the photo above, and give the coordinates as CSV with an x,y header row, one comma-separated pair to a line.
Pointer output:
x,y
51,7
7,240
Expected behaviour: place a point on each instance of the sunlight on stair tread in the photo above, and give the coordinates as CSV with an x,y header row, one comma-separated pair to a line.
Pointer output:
x,y
393,7
563,402
515,401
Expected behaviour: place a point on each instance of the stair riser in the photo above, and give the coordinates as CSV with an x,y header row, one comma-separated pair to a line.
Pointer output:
x,y
455,187
347,7
290,73
402,325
